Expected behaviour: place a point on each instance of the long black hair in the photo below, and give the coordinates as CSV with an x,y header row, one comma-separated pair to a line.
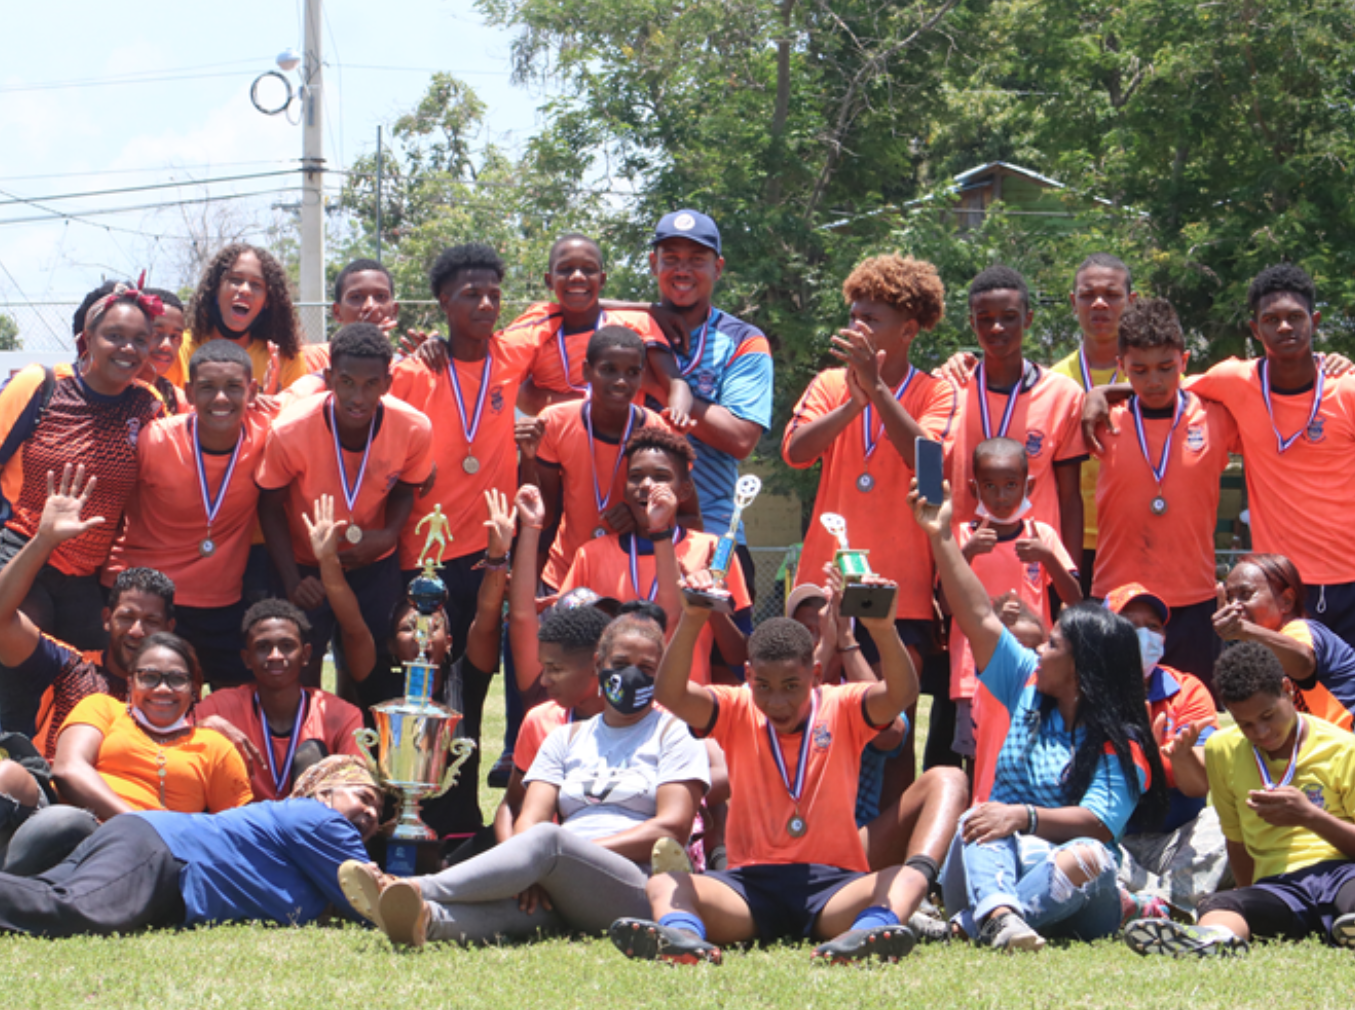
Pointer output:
x,y
1112,708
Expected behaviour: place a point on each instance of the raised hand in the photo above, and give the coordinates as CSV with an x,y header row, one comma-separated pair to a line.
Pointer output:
x,y
856,349
61,515
527,433
530,506
502,522
324,532
934,519
1228,618
661,509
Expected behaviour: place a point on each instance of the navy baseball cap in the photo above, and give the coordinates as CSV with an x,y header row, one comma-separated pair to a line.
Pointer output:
x,y
689,224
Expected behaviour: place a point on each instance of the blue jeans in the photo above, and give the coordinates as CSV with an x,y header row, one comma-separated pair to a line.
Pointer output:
x,y
1019,872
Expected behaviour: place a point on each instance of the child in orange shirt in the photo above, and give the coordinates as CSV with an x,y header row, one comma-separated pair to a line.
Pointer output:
x,y
1010,553
370,451
797,864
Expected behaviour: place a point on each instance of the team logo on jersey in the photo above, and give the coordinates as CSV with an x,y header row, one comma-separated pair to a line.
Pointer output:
x,y
1034,443
133,430
496,399
1314,794
1033,573
1315,432
705,383
392,479
1195,437
823,737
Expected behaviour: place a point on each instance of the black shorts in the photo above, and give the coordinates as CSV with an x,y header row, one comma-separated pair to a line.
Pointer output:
x,y
1290,906
1191,645
214,633
1334,606
916,632
785,899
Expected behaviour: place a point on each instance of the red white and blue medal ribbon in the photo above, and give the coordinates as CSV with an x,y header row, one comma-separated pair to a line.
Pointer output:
x,y
699,351
350,493
1281,441
635,570
1006,413
1267,782
598,497
869,437
1160,467
1087,374
281,778
210,504
473,428
796,825
564,353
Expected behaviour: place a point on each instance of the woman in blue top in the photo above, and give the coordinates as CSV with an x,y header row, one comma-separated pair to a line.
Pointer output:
x,y
1040,855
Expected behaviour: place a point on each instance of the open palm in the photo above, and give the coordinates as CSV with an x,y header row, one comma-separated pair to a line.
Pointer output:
x,y
61,515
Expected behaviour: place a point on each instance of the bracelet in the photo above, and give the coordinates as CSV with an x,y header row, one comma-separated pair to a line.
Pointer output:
x,y
1034,824
854,647
660,534
489,564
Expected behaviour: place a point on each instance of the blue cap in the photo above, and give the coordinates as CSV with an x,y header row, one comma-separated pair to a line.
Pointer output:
x,y
689,224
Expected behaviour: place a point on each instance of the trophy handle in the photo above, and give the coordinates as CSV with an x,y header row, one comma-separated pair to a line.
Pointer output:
x,y
367,740
462,748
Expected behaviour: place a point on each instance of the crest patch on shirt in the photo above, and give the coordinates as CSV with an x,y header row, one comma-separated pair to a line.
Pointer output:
x,y
1195,438
1034,443
823,737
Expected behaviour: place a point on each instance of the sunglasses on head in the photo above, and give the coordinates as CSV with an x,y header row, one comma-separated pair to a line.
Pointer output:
x,y
151,679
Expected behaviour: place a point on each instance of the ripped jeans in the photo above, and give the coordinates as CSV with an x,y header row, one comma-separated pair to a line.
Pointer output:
x,y
1019,872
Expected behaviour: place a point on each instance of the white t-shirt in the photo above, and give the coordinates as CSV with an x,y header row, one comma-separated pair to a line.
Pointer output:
x,y
609,777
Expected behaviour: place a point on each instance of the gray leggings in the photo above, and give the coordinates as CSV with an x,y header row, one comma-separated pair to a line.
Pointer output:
x,y
589,887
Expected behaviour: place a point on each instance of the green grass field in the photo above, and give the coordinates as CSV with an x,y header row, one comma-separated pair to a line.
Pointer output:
x,y
334,967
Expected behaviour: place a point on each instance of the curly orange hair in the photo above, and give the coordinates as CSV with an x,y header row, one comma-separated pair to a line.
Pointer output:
x,y
911,286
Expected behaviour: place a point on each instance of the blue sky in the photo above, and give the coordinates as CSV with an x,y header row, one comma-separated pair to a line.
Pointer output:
x,y
96,96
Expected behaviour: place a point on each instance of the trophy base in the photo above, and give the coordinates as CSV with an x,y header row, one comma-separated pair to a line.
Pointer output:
x,y
860,600
712,599
413,859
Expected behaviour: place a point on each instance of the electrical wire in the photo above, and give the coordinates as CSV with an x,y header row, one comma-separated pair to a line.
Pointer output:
x,y
141,77
57,215
148,187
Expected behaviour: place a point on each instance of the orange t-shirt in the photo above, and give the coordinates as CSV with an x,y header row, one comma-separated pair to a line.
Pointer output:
x,y
306,386
204,772
603,565
1173,552
328,719
1047,418
581,461
537,724
316,356
167,518
287,371
1000,571
299,456
544,324
1298,497
900,551
760,806
78,426
462,494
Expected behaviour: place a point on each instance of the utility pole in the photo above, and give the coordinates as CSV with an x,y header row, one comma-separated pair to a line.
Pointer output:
x,y
313,167
378,194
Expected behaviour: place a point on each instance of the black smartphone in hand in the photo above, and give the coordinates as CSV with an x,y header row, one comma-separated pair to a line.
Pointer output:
x,y
928,460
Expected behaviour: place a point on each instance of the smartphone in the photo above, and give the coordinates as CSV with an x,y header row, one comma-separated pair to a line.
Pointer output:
x,y
928,460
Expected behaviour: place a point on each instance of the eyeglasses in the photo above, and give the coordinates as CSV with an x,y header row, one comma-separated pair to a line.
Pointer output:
x,y
151,679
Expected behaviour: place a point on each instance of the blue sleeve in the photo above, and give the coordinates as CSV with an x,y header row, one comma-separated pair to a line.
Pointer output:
x,y
22,686
746,388
1109,796
1006,674
322,841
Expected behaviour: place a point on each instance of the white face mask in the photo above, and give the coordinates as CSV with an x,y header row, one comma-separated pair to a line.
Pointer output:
x,y
1151,646
179,724
981,510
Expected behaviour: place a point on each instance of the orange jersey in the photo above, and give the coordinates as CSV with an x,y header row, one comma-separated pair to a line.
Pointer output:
x,y
328,719
316,356
1297,497
537,724
167,517
557,366
285,371
760,806
582,460
603,565
460,493
1172,552
1001,571
992,722
900,552
201,772
299,456
306,386
78,426
1047,418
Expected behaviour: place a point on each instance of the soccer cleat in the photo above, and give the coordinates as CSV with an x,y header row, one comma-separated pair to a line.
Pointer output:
x,y
1009,931
1175,939
649,941
888,943
360,886
668,856
405,914
929,928
1343,931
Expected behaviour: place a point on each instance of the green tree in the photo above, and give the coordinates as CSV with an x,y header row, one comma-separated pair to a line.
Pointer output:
x,y
9,334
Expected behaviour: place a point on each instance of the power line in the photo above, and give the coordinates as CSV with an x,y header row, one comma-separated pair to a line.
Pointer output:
x,y
140,77
148,187
142,171
81,215
431,70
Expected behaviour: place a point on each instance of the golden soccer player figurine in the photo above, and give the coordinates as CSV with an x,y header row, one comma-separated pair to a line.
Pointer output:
x,y
439,532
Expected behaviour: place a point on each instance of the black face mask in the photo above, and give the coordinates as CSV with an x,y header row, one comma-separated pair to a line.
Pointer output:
x,y
628,689
219,322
